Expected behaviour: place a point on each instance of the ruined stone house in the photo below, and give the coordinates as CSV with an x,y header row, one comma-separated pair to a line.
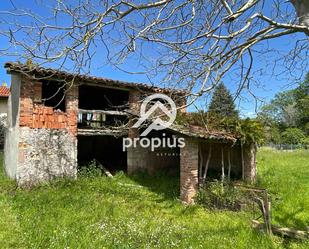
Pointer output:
x,y
58,121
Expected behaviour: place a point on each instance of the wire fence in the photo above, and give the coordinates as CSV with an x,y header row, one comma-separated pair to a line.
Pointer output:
x,y
288,146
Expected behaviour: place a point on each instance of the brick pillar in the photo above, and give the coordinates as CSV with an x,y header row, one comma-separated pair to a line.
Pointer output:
x,y
249,162
26,102
37,94
134,155
72,108
189,171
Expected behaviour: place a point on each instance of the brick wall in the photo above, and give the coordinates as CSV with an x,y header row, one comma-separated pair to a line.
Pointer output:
x,y
189,171
33,114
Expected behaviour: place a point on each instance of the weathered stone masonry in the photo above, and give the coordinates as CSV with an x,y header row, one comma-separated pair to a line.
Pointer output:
x,y
47,144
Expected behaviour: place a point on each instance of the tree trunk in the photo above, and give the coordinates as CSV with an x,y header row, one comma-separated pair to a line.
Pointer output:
x,y
302,10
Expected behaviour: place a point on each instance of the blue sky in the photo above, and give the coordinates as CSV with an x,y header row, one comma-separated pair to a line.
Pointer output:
x,y
269,84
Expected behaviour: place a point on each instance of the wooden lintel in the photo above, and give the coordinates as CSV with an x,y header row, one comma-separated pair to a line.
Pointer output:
x,y
118,113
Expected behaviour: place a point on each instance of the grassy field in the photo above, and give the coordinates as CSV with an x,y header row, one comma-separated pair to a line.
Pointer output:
x,y
143,212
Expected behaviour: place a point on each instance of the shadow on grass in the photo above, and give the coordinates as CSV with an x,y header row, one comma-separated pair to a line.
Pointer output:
x,y
290,218
161,183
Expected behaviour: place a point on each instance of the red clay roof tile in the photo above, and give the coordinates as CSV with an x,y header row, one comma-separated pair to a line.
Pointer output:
x,y
4,91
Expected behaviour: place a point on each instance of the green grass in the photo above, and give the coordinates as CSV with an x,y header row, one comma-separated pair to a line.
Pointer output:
x,y
144,212
286,176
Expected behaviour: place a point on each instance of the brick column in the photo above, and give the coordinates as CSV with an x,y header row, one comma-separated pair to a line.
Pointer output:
x,y
249,162
134,155
189,171
72,108
26,102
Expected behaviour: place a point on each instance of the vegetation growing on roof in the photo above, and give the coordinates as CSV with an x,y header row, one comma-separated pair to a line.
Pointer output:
x,y
248,130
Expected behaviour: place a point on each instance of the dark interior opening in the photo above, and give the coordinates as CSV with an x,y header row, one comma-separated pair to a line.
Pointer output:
x,y
100,98
215,164
53,94
105,149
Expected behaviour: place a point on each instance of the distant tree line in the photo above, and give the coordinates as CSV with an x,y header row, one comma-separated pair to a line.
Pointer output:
x,y
286,118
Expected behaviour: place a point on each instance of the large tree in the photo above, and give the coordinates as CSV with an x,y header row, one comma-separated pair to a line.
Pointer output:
x,y
288,108
222,104
287,114
192,44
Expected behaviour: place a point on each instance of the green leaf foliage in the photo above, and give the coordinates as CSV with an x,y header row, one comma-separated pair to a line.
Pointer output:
x,y
288,109
222,103
251,131
293,136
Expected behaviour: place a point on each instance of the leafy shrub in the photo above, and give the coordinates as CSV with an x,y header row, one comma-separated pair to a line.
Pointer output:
x,y
216,195
293,136
90,170
3,119
305,142
250,131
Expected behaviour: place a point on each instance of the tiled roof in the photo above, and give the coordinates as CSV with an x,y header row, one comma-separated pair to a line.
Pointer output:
x,y
200,132
48,73
4,91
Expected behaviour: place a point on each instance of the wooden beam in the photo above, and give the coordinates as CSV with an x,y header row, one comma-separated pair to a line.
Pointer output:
x,y
207,164
229,164
283,231
118,113
102,132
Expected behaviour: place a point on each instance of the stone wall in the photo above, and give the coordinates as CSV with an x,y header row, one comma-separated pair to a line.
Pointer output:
x,y
45,154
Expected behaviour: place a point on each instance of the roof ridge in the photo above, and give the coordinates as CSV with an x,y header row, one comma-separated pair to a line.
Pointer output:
x,y
50,72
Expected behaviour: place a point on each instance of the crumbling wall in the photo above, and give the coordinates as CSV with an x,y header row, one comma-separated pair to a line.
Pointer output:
x,y
45,138
45,154
34,114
